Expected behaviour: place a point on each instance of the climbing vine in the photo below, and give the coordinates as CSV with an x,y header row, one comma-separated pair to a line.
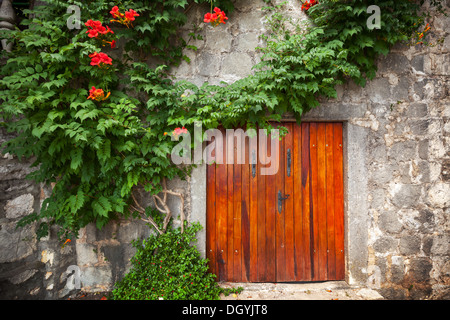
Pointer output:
x,y
99,119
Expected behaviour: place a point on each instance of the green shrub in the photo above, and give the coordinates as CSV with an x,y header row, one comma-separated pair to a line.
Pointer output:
x,y
169,266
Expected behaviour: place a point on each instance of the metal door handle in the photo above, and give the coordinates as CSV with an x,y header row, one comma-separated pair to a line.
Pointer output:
x,y
280,200
288,162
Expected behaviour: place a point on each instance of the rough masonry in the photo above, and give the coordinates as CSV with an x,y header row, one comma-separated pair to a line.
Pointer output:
x,y
397,174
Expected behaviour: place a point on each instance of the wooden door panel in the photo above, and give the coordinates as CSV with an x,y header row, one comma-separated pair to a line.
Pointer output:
x,y
250,238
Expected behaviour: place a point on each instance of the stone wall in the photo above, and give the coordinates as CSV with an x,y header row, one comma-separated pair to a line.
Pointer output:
x,y
28,269
399,200
397,173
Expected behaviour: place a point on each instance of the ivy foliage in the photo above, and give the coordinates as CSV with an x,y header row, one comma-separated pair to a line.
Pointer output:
x,y
96,152
169,267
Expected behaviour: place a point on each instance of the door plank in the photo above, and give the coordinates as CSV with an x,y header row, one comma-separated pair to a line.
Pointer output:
x,y
253,210
322,202
314,198
245,213
331,253
280,216
289,205
261,156
238,193
221,213
230,207
339,201
306,197
211,211
298,199
270,219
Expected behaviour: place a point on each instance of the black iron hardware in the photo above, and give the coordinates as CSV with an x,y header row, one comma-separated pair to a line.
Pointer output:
x,y
280,200
289,162
253,163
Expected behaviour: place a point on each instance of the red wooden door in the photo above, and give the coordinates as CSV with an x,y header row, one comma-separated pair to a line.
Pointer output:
x,y
281,227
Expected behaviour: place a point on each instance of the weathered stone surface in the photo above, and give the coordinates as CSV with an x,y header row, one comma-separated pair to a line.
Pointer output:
x,y
237,64
98,278
86,254
409,245
403,151
15,244
445,170
388,222
384,244
441,245
439,195
417,110
419,269
217,41
407,195
19,206
396,63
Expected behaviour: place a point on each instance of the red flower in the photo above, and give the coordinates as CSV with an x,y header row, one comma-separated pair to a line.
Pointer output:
x,y
210,17
100,59
131,14
215,18
93,24
308,4
115,12
96,28
98,95
179,131
124,19
93,33
113,44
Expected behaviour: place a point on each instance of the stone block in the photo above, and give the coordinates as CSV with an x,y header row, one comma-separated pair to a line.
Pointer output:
x,y
252,20
423,149
424,172
406,195
439,195
379,90
441,246
19,207
442,65
397,269
403,151
218,40
396,63
419,269
16,244
409,245
209,65
417,63
417,110
337,111
129,231
389,222
86,254
427,221
400,91
384,244
419,127
96,278
11,170
247,41
237,64
382,173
